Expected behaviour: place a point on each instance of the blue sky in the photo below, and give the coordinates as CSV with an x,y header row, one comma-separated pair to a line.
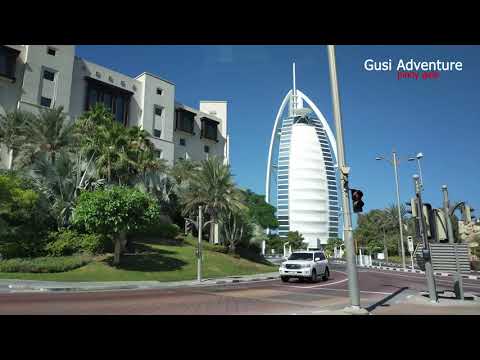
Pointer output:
x,y
439,117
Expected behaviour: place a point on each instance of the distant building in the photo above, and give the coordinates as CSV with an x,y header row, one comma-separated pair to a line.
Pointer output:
x,y
300,153
33,77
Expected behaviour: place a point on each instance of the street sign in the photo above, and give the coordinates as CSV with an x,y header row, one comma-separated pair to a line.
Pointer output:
x,y
410,244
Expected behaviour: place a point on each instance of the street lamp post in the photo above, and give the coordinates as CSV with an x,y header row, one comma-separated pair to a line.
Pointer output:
x,y
354,291
400,223
417,158
426,246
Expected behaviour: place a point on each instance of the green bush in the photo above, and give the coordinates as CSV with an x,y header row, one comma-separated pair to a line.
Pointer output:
x,y
95,244
206,245
25,218
162,230
44,264
69,242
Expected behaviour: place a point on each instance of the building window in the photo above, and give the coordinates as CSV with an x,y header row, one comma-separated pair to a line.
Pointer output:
x,y
209,129
184,121
51,51
183,142
158,154
8,57
206,149
116,99
44,101
159,91
157,121
48,75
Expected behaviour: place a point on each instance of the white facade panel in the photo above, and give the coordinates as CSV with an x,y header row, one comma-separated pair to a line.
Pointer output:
x,y
308,193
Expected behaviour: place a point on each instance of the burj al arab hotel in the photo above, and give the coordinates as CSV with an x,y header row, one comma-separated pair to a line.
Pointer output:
x,y
301,172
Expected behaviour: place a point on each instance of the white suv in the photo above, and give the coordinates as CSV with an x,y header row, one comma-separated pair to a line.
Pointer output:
x,y
305,264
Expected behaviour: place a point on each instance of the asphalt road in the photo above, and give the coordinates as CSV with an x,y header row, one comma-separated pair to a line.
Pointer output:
x,y
378,290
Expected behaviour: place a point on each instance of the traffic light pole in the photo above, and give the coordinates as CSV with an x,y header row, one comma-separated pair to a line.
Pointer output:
x,y
446,210
199,250
426,246
342,165
399,210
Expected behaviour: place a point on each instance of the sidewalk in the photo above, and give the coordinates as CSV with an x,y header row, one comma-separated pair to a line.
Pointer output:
x,y
7,285
415,304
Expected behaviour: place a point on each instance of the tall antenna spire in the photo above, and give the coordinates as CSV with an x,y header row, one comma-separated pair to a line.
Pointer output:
x,y
293,105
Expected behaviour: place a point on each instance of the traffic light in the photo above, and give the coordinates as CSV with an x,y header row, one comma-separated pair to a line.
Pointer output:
x,y
357,200
413,207
430,221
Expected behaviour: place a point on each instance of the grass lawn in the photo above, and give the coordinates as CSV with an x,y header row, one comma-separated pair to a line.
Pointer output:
x,y
156,261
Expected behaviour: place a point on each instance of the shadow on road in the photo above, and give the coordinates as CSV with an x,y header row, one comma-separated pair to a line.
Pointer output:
x,y
386,299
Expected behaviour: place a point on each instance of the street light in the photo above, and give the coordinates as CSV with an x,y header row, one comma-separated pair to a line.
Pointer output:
x,y
417,158
395,165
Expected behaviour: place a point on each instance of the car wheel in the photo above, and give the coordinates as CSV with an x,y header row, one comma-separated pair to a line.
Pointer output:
x,y
313,278
326,275
284,278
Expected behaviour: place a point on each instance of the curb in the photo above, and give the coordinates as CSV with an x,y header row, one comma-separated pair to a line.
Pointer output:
x,y
244,280
443,274
131,287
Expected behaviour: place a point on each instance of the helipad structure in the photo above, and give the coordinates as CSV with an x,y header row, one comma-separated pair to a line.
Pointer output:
x,y
301,171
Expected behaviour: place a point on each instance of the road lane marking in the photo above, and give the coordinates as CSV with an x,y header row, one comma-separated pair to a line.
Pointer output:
x,y
321,285
362,291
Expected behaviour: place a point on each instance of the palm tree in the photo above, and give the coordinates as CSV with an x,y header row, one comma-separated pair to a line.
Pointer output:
x,y
12,135
61,181
212,186
182,171
109,145
50,132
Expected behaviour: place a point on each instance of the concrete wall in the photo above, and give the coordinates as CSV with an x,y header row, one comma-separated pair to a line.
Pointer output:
x,y
166,122
10,93
33,86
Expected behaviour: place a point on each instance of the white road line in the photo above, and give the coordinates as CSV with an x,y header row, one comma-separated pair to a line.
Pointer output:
x,y
322,285
362,291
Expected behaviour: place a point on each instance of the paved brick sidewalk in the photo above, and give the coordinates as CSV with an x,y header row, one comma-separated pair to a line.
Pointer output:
x,y
415,304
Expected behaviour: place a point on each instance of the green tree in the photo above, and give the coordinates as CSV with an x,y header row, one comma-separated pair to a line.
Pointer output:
x,y
12,132
24,216
295,240
331,245
49,133
115,211
212,186
61,182
260,212
275,242
235,224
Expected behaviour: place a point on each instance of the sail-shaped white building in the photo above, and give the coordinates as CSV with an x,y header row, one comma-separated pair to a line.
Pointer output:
x,y
301,171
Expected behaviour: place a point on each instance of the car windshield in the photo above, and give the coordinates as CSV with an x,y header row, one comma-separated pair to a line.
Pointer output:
x,y
301,256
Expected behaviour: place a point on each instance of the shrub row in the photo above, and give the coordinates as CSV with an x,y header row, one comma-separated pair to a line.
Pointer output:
x,y
162,230
69,242
44,264
206,245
